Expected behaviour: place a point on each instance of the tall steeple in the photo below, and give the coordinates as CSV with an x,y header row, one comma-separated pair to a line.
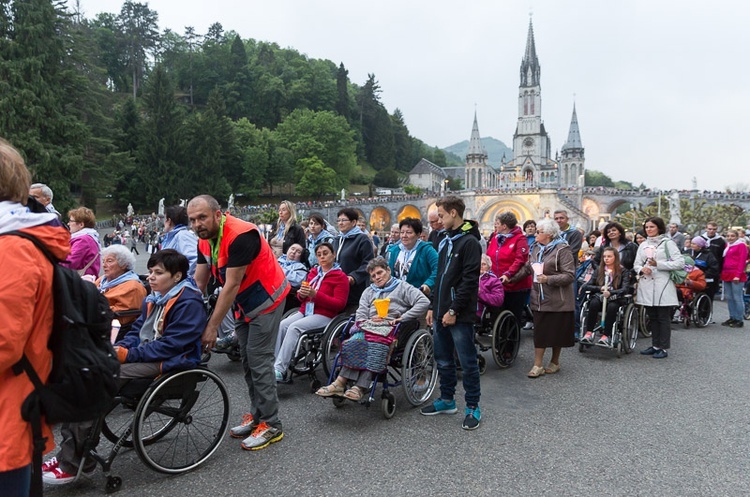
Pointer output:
x,y
530,69
478,174
475,142
574,134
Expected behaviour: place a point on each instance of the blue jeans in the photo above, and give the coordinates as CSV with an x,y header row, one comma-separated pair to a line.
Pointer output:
x,y
459,337
16,482
735,302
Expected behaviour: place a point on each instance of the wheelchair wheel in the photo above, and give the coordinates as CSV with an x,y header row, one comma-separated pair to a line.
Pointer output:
x,y
388,405
418,370
187,414
630,328
747,308
482,363
506,338
332,342
643,322
702,310
119,419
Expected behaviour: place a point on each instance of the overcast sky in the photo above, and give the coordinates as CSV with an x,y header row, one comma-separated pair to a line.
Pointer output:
x,y
661,87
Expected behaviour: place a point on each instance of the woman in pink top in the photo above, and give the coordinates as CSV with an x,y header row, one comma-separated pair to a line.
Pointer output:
x,y
84,243
733,275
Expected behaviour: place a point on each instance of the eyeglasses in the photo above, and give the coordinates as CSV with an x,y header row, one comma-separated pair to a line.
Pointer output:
x,y
343,220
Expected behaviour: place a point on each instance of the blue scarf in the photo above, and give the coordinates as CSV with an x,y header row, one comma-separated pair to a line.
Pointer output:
x,y
159,299
280,234
407,255
106,284
543,249
321,236
318,279
448,240
388,288
351,233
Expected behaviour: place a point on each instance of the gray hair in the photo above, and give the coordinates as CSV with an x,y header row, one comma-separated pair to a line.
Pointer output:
x,y
487,260
376,263
549,227
46,190
125,259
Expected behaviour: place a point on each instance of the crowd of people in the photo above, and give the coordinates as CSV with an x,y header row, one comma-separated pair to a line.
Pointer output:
x,y
443,275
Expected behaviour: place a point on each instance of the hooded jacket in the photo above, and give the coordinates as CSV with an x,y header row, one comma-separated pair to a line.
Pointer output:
x,y
457,283
556,295
509,258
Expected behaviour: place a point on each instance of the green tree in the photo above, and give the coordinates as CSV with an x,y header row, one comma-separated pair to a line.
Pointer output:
x,y
596,178
342,92
255,146
316,180
139,27
401,142
387,178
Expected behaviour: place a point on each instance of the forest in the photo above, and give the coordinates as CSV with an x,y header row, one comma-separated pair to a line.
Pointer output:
x,y
116,106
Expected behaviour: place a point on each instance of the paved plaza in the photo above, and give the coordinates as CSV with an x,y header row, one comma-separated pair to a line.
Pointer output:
x,y
602,426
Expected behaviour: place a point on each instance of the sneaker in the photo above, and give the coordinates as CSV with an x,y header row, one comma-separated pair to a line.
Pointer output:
x,y
279,376
603,340
440,406
660,354
471,421
649,351
728,322
736,324
528,326
225,343
245,428
263,436
588,337
50,464
56,476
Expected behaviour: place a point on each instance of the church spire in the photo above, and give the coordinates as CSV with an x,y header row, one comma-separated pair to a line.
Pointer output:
x,y
530,70
574,134
475,142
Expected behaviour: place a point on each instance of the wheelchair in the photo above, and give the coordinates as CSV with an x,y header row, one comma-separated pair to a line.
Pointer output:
x,y
174,423
624,331
697,310
497,330
411,365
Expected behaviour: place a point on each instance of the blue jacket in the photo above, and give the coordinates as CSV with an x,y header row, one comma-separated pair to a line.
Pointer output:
x,y
179,347
185,242
423,268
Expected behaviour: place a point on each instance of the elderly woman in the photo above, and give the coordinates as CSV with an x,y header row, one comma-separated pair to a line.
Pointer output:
x,y
733,275
706,261
316,225
286,231
406,303
656,257
413,260
614,236
552,296
323,295
120,284
166,337
491,291
84,243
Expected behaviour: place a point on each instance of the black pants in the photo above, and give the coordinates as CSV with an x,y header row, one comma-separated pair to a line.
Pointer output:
x,y
515,303
660,321
595,307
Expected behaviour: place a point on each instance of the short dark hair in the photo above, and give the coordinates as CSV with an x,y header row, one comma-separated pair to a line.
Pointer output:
x,y
349,213
450,203
415,224
177,214
509,219
659,222
529,222
325,244
318,218
173,261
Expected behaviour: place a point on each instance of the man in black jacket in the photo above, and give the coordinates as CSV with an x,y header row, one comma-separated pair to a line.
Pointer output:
x,y
453,310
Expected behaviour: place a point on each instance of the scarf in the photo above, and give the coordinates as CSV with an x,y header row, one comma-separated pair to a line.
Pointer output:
x,y
730,245
318,278
544,249
86,231
157,298
280,234
405,258
351,233
106,284
171,234
321,236
388,288
14,216
503,237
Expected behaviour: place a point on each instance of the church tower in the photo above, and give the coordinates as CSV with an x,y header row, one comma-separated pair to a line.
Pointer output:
x,y
478,174
572,157
531,164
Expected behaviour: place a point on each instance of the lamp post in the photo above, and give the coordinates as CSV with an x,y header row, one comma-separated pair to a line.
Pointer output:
x,y
445,186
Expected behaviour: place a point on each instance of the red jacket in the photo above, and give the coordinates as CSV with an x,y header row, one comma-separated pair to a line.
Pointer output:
x,y
26,307
332,294
509,258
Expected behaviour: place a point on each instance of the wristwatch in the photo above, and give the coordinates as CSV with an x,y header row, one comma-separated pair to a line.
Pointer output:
x,y
451,312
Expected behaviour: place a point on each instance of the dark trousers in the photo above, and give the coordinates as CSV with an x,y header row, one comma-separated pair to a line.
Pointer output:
x,y
595,307
16,482
660,321
515,303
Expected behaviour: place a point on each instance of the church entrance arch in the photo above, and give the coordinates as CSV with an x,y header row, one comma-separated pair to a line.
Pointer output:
x,y
487,214
380,219
409,211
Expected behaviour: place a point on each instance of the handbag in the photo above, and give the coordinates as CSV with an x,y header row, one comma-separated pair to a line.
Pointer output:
x,y
678,276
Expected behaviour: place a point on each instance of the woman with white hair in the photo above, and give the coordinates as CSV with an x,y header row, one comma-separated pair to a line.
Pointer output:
x,y
287,230
552,297
120,284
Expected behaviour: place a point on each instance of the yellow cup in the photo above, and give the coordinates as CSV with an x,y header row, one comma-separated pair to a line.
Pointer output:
x,y
381,307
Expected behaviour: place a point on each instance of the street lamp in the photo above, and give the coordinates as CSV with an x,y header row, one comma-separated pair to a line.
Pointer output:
x,y
445,185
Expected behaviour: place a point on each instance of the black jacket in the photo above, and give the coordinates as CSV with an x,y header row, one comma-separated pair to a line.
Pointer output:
x,y
627,282
706,261
627,255
457,282
353,254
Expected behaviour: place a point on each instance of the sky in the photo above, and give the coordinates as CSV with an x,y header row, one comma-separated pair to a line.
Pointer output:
x,y
660,87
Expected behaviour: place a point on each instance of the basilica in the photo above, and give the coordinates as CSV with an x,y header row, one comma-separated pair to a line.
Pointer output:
x,y
532,165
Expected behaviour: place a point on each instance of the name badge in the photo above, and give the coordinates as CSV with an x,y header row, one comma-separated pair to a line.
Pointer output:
x,y
309,309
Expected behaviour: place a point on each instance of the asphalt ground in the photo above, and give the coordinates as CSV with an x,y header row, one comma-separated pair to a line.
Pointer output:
x,y
602,426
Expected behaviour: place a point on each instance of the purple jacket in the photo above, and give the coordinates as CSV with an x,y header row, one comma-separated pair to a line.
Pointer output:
x,y
491,292
82,250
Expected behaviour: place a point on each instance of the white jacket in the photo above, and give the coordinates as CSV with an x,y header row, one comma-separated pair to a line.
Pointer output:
x,y
656,289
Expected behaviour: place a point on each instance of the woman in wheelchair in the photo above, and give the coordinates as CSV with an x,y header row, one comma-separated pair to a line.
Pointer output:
x,y
323,295
121,286
491,293
612,282
166,337
405,303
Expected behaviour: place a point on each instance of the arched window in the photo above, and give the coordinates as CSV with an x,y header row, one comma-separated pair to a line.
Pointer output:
x,y
525,103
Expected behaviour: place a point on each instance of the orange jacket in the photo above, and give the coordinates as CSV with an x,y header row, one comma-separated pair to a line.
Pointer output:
x,y
125,297
26,307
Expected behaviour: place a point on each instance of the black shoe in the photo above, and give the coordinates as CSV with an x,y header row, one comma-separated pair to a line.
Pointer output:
x,y
649,351
728,322
736,324
660,354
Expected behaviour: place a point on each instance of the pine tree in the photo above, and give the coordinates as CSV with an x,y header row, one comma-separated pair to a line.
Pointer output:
x,y
342,87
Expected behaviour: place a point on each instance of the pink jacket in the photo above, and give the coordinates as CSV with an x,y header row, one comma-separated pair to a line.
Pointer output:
x,y
82,250
491,292
734,263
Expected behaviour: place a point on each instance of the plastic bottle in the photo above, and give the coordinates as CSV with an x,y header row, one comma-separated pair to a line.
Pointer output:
x,y
115,330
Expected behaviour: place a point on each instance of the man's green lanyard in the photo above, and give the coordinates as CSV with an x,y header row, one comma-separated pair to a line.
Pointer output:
x,y
215,244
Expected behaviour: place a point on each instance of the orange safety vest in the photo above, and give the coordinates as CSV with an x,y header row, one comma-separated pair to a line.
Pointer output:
x,y
263,286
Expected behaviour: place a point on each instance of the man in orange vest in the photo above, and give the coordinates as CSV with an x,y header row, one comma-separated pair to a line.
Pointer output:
x,y
253,284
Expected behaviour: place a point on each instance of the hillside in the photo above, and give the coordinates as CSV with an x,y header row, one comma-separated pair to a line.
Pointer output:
x,y
495,150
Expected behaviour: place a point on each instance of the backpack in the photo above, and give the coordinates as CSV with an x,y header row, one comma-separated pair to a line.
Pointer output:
x,y
85,369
